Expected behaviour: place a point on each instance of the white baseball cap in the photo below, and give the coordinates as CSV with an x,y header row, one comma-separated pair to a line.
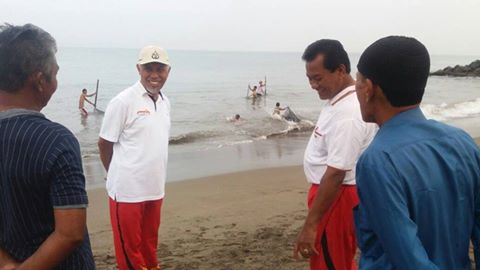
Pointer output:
x,y
153,54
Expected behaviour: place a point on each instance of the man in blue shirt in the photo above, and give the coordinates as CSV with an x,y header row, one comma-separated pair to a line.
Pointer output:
x,y
42,187
419,180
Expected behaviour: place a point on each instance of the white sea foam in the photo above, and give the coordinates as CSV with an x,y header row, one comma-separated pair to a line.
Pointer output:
x,y
446,111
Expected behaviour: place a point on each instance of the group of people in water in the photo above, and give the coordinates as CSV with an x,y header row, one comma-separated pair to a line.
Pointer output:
x,y
259,91
278,112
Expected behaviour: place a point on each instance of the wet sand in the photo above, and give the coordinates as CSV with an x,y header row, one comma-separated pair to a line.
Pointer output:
x,y
242,220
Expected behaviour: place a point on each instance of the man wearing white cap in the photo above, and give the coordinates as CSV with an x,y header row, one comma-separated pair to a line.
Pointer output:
x,y
133,148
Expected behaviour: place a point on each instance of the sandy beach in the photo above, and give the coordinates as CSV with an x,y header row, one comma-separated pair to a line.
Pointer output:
x,y
242,220
245,220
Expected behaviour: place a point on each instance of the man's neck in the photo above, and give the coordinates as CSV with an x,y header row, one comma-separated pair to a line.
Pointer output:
x,y
19,100
389,112
348,81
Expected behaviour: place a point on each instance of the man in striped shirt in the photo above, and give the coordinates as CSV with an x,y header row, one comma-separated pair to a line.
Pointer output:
x,y
42,187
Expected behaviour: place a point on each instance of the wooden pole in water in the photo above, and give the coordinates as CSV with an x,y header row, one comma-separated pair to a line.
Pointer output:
x,y
265,85
96,95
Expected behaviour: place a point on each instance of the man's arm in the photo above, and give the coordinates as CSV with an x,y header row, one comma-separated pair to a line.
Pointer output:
x,y
476,226
70,229
91,95
326,195
86,99
384,201
476,235
106,152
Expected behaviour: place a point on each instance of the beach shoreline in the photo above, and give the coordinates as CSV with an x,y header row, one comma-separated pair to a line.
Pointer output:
x,y
183,166
236,220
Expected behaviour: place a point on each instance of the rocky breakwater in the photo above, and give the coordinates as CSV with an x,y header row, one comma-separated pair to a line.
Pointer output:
x,y
472,70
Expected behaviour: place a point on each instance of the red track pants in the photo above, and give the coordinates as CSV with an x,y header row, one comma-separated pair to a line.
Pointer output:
x,y
336,240
135,234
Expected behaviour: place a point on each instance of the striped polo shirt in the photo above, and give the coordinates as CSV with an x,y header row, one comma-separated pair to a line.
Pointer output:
x,y
40,170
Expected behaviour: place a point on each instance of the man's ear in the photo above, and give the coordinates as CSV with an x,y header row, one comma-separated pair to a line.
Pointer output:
x,y
342,69
138,68
369,90
39,80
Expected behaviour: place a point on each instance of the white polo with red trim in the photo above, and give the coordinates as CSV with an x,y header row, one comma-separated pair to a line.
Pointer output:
x,y
139,129
339,137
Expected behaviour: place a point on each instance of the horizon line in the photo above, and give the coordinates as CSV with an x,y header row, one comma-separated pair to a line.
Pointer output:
x,y
237,51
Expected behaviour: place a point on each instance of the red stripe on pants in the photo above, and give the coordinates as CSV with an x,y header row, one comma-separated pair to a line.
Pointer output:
x,y
338,226
135,233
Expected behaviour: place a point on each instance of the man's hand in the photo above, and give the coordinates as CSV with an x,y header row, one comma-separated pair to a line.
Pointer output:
x,y
327,191
305,244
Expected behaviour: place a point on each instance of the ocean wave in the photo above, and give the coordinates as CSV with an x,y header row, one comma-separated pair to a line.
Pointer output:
x,y
294,128
191,137
446,111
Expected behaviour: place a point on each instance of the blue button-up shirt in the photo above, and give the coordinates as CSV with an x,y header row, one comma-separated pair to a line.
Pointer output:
x,y
419,188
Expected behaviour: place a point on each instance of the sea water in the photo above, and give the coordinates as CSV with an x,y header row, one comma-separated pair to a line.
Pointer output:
x,y
207,88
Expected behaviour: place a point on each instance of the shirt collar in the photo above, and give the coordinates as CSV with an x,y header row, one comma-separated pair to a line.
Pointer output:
x,y
412,115
141,90
342,94
16,112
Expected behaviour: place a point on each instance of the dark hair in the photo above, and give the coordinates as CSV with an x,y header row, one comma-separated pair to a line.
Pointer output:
x,y
237,116
84,90
24,50
400,66
278,104
333,52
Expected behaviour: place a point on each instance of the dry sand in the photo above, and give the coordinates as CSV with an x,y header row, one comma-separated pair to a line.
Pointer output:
x,y
246,220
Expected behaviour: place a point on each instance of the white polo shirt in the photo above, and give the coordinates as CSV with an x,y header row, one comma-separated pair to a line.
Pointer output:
x,y
139,129
339,137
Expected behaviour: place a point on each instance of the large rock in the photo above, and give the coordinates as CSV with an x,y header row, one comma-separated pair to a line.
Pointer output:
x,y
472,70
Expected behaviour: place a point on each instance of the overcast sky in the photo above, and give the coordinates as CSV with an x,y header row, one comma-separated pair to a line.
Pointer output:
x,y
444,26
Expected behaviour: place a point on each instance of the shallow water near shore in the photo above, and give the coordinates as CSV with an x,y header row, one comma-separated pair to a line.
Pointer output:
x,y
206,88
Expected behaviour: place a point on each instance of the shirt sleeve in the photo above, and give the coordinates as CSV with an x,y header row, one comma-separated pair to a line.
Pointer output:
x,y
476,235
67,188
383,200
476,226
344,144
114,120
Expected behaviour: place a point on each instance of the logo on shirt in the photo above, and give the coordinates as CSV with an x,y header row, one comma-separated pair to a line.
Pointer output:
x,y
143,112
317,133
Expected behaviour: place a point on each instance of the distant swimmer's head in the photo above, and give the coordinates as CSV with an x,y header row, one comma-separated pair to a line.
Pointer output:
x,y
153,65
84,90
260,82
392,70
27,61
327,67
237,116
255,87
277,104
